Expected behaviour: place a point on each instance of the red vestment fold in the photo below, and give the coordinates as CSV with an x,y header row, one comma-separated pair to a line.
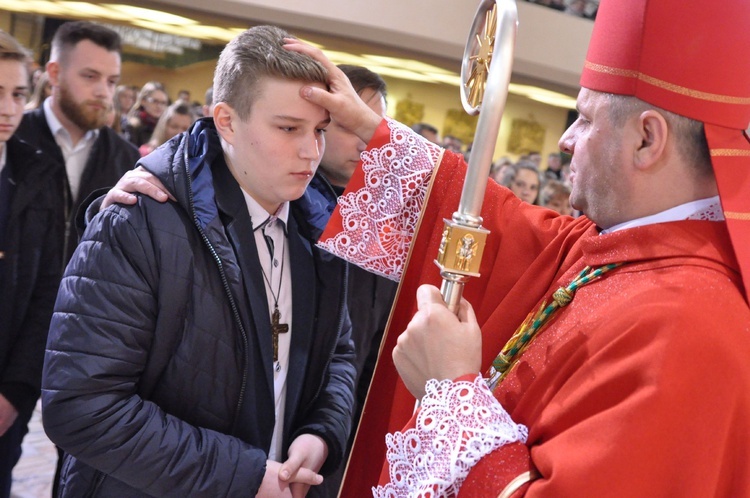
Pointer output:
x,y
639,387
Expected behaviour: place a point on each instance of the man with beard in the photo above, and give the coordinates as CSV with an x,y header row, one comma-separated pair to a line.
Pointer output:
x,y
84,69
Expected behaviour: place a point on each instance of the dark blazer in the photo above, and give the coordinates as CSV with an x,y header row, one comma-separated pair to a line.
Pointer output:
x,y
111,156
163,331
31,269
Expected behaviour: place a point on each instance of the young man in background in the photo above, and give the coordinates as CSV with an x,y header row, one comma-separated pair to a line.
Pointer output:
x,y
31,232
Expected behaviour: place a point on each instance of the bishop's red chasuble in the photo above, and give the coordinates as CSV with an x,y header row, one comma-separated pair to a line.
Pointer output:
x,y
639,387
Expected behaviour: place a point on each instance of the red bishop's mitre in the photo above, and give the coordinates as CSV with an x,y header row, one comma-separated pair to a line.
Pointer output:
x,y
690,57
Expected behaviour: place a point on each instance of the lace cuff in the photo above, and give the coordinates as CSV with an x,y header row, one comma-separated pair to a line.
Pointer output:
x,y
458,424
380,216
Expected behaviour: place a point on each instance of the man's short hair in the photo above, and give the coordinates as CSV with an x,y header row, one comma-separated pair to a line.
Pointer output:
x,y
689,134
255,54
71,33
11,50
363,79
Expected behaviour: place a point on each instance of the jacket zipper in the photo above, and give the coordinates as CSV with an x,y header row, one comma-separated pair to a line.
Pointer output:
x,y
227,291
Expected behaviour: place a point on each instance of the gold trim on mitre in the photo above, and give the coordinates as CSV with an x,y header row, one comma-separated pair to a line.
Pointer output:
x,y
730,152
733,215
681,90
517,482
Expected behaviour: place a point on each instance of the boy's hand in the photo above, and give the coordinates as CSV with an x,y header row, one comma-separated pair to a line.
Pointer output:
x,y
272,486
296,483
307,454
136,180
341,101
8,414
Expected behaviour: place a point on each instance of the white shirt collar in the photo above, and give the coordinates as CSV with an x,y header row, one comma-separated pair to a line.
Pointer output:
x,y
260,216
689,210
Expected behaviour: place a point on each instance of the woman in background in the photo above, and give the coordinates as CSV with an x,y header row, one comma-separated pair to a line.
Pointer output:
x,y
176,119
42,90
142,118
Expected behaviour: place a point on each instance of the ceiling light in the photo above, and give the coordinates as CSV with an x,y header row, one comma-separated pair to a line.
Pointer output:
x,y
86,9
154,16
35,6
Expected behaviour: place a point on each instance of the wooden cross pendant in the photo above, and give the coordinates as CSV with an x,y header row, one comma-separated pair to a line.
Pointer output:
x,y
276,329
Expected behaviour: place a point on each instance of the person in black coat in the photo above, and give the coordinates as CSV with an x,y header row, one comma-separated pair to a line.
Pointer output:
x,y
84,68
31,227
201,347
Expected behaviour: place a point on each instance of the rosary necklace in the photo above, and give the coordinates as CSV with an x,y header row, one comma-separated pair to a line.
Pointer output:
x,y
276,327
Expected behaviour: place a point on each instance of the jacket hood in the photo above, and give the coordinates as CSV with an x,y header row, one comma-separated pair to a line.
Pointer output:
x,y
183,165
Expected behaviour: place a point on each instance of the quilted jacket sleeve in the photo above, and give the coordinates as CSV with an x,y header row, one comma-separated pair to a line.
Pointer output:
x,y
99,343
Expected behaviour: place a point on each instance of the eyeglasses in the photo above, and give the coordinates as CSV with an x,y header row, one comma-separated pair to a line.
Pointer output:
x,y
152,100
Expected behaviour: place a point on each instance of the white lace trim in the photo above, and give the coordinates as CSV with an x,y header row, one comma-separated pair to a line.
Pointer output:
x,y
379,219
710,213
459,423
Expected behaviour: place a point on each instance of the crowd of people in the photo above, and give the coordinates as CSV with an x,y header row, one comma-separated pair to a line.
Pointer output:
x,y
543,185
209,307
145,116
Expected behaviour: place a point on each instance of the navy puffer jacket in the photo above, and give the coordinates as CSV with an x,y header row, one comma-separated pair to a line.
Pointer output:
x,y
158,378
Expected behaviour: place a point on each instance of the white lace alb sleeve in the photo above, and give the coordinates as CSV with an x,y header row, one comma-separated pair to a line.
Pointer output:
x,y
379,219
458,424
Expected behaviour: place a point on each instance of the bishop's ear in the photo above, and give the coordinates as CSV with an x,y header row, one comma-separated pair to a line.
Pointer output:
x,y
654,133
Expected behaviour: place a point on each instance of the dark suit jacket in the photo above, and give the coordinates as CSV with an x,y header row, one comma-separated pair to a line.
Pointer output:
x,y
111,156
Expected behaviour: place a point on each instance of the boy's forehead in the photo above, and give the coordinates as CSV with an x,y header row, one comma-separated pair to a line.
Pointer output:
x,y
11,66
280,94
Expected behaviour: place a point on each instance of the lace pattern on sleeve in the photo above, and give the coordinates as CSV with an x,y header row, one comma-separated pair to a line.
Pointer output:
x,y
458,424
379,219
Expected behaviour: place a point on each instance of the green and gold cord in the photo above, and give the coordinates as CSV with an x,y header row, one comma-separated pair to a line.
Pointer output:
x,y
536,321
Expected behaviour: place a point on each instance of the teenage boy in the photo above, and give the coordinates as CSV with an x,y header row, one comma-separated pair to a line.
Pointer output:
x,y
369,294
201,347
31,227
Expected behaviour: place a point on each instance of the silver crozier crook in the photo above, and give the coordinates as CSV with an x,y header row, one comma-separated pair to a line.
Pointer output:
x,y
485,76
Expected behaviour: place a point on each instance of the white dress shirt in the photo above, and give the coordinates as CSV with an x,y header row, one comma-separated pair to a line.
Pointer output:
x,y
3,156
278,273
703,209
75,155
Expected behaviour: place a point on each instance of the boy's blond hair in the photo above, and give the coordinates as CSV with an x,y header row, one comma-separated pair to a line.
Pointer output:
x,y
255,54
